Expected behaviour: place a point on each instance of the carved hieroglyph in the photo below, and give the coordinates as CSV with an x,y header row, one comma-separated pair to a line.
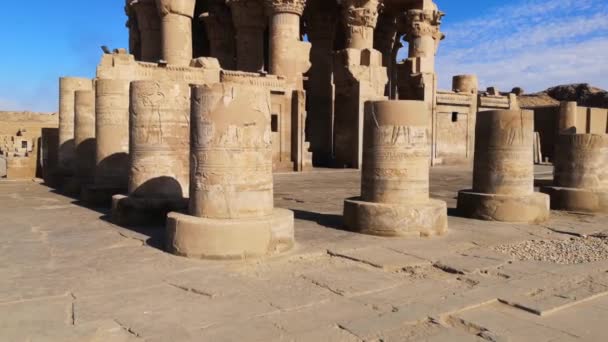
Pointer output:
x,y
395,177
67,88
220,32
581,173
231,189
503,175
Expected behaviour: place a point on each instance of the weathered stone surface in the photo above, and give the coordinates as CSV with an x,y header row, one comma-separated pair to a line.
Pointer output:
x,y
231,190
503,175
84,136
395,177
580,175
67,89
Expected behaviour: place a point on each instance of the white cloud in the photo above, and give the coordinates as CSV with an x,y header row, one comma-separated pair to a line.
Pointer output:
x,y
532,44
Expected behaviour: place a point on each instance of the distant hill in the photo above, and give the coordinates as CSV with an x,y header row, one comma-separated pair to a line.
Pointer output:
x,y
582,93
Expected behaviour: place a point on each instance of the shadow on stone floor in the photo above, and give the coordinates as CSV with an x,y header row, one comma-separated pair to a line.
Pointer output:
x,y
326,220
543,182
155,234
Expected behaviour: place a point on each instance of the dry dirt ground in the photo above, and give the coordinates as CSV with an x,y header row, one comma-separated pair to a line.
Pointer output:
x,y
66,274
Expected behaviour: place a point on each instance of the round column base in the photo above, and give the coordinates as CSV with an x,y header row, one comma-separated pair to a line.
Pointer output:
x,y
133,211
204,238
572,199
394,220
532,208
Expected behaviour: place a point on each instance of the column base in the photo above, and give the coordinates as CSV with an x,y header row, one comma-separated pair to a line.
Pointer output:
x,y
203,238
99,195
532,208
394,220
133,211
572,199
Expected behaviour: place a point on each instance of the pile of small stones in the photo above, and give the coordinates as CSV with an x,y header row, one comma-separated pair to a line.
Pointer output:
x,y
576,250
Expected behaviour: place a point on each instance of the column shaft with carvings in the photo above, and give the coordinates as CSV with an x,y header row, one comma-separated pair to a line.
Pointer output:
x,y
220,30
145,15
321,22
359,77
176,18
249,23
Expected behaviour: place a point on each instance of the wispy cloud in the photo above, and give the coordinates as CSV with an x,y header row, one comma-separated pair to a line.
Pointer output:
x,y
532,44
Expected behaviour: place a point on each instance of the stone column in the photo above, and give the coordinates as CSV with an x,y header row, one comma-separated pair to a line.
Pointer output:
x,y
232,215
503,175
289,56
361,18
176,25
158,153
581,174
249,23
84,136
421,27
112,137
395,177
465,84
66,150
385,38
359,77
220,30
148,22
321,29
568,112
134,34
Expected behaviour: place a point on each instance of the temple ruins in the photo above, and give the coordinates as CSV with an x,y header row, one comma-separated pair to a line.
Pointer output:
x,y
213,97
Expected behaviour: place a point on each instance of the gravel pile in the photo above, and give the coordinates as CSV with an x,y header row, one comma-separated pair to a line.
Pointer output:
x,y
572,251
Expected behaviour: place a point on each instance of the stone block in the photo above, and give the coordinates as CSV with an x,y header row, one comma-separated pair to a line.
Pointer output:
x,y
531,208
572,199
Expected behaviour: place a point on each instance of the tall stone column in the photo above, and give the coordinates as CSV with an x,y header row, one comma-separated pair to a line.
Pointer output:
x,y
360,18
385,37
417,79
249,23
158,153
134,34
84,136
112,141
321,19
232,214
148,23
358,77
395,177
581,173
176,24
220,31
67,92
503,174
289,56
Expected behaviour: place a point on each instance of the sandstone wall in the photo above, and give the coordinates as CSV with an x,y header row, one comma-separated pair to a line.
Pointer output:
x,y
35,128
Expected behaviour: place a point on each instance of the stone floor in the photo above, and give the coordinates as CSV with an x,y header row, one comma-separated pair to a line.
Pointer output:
x,y
66,274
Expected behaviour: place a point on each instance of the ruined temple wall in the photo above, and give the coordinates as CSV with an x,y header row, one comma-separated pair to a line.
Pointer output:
x,y
587,121
34,128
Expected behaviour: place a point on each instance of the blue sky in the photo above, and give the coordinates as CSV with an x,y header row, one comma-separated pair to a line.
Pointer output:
x,y
529,43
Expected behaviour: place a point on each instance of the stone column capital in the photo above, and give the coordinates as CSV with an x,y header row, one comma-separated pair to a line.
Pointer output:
x,y
360,12
417,23
285,6
179,7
